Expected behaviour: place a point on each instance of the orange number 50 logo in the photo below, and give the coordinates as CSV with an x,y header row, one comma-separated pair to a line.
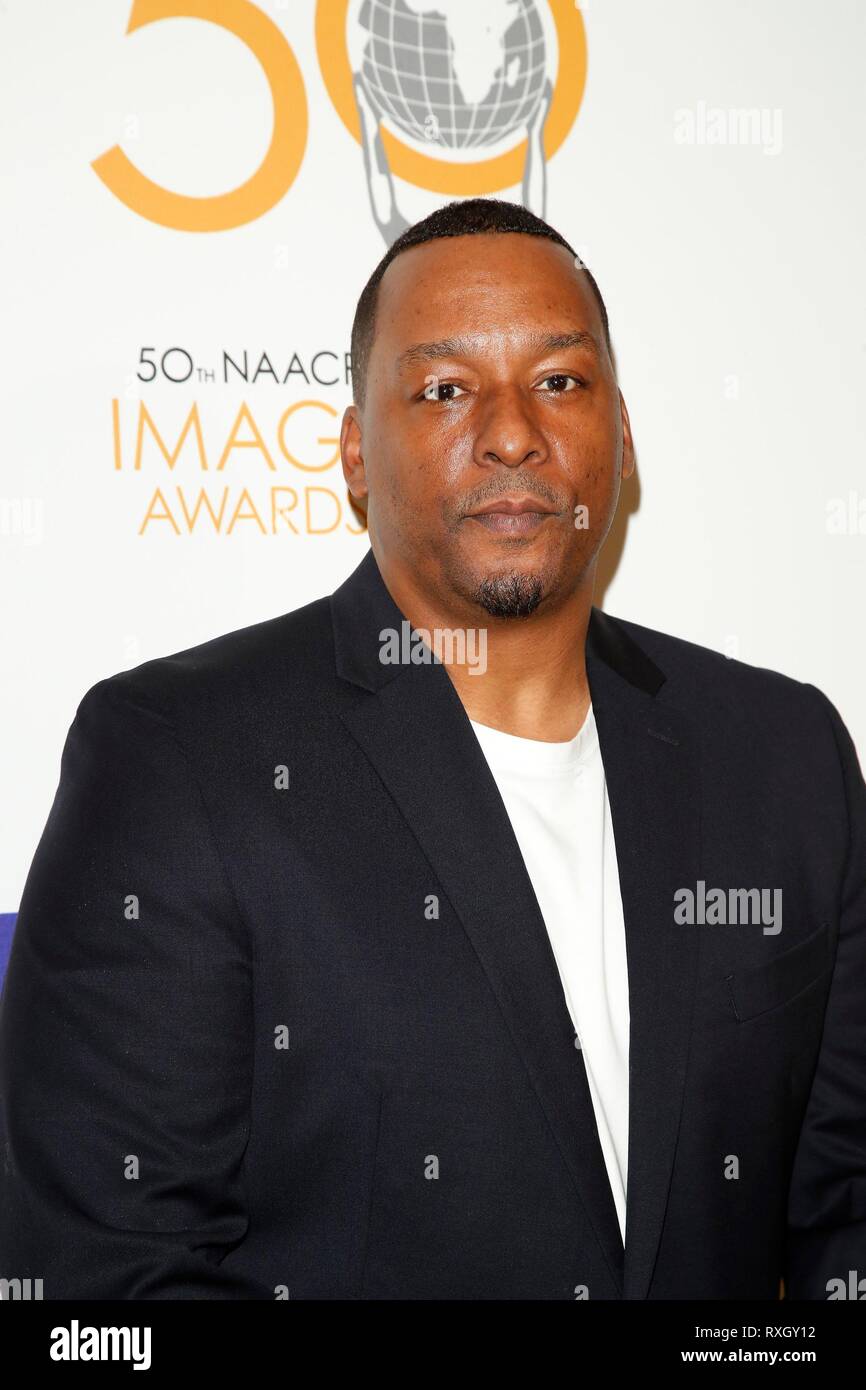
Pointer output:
x,y
280,165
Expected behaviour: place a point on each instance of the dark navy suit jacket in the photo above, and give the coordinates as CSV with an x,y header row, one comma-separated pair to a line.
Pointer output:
x,y
241,1056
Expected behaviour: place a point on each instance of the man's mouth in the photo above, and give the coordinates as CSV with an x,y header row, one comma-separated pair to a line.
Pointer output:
x,y
512,516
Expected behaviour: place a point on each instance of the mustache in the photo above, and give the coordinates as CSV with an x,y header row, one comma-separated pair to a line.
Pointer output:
x,y
539,492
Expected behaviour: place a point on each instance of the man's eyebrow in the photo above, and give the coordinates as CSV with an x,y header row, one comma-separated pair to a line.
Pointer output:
x,y
465,347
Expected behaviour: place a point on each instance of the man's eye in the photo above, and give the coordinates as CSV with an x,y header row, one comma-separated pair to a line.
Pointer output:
x,y
436,390
561,381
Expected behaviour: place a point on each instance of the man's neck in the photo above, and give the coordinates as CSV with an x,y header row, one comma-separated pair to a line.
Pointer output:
x,y
525,676
535,683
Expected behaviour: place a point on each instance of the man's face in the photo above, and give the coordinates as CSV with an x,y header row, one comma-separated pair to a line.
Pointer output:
x,y
489,385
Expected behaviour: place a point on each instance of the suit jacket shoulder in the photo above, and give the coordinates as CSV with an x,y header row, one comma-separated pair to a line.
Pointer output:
x,y
235,670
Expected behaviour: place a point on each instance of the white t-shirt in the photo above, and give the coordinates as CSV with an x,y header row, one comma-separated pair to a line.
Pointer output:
x,y
556,798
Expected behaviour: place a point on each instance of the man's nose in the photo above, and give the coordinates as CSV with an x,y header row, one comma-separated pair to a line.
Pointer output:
x,y
509,431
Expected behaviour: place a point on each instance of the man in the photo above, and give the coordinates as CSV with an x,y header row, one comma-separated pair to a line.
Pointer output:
x,y
447,938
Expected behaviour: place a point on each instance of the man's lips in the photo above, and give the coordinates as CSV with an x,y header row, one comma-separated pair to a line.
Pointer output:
x,y
512,506
512,516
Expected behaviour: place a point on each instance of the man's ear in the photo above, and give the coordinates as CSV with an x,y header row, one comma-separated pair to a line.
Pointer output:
x,y
627,441
351,453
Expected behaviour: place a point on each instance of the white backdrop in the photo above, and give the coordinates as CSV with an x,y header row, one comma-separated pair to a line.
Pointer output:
x,y
728,247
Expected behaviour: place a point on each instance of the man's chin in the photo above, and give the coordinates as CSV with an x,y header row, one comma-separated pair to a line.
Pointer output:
x,y
502,586
513,594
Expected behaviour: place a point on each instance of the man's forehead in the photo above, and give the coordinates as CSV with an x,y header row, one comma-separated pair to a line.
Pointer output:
x,y
516,335
528,257
427,286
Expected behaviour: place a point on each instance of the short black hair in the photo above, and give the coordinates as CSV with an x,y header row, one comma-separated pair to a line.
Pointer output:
x,y
465,217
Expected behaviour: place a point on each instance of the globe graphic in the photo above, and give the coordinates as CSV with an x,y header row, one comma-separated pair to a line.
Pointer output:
x,y
463,74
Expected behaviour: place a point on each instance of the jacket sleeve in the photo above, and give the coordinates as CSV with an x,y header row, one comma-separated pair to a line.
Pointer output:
x,y
827,1198
125,1029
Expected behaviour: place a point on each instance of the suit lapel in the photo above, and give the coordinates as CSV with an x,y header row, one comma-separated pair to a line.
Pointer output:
x,y
413,728
650,758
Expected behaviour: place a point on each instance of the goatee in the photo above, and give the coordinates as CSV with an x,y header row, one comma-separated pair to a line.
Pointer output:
x,y
512,595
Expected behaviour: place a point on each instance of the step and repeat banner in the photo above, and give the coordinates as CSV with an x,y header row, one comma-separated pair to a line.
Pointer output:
x,y
194,196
